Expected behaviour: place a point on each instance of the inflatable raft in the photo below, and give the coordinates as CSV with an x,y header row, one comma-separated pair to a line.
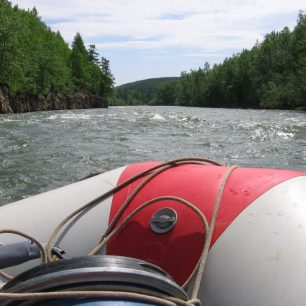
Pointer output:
x,y
252,221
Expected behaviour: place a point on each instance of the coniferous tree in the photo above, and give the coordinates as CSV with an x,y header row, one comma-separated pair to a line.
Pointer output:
x,y
94,69
79,61
93,54
107,79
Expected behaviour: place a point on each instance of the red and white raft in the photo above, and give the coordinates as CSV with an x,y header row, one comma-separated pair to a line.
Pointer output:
x,y
258,250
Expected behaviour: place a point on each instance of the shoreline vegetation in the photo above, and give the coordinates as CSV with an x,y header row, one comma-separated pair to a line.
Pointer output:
x,y
38,70
272,75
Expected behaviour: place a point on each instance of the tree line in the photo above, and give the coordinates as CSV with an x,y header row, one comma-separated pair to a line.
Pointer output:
x,y
139,92
34,59
270,75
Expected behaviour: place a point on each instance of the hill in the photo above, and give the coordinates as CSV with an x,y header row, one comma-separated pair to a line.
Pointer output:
x,y
139,92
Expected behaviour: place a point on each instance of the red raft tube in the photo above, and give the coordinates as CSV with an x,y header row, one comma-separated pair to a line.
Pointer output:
x,y
257,253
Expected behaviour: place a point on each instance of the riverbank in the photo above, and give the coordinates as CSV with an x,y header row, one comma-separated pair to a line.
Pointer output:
x,y
29,103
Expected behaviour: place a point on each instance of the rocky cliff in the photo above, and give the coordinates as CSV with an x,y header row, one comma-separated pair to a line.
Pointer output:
x,y
29,103
5,104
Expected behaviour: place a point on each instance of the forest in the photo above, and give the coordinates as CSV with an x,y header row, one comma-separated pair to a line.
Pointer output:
x,y
36,60
139,92
271,75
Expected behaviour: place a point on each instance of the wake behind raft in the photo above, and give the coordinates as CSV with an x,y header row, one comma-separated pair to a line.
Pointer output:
x,y
176,233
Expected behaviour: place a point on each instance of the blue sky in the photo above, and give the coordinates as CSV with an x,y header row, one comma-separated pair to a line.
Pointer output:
x,y
156,38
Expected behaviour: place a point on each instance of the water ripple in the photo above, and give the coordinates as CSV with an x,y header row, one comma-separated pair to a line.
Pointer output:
x,y
44,150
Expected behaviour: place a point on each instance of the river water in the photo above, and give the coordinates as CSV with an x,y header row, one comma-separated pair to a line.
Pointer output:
x,y
44,150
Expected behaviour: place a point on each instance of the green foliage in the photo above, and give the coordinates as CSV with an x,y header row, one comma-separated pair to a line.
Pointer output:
x,y
33,59
139,92
270,75
299,45
107,79
165,94
79,62
93,54
11,34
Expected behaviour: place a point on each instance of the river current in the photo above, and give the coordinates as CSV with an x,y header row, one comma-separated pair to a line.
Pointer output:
x,y
44,150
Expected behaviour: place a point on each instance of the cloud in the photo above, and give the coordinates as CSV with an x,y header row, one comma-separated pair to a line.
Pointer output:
x,y
208,25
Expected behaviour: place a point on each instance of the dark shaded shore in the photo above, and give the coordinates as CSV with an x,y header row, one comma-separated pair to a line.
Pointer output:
x,y
22,103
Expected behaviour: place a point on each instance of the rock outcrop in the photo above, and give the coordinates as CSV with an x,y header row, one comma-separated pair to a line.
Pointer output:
x,y
30,103
5,105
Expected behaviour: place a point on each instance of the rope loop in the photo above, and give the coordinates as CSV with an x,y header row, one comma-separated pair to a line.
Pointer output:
x,y
114,295
29,237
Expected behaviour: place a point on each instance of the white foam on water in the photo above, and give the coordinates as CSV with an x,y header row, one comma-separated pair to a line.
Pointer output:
x,y
271,132
285,135
69,116
75,116
158,117
10,120
52,117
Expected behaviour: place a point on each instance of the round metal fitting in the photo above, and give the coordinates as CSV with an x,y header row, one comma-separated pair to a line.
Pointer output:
x,y
85,272
163,220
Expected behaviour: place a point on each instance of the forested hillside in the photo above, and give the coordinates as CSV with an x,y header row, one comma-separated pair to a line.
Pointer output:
x,y
270,75
36,60
139,92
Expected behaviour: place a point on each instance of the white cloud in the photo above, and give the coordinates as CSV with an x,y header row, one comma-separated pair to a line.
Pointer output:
x,y
208,25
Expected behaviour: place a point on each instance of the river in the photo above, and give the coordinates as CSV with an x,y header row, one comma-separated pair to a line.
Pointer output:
x,y
44,150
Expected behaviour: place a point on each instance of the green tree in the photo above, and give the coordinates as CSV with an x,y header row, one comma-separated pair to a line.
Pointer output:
x,y
11,34
79,62
107,79
34,59
165,94
93,54
299,43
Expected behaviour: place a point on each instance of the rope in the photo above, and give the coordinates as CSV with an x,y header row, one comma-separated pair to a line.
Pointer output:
x,y
106,195
111,231
31,238
210,233
119,288
144,205
160,300
128,201
5,276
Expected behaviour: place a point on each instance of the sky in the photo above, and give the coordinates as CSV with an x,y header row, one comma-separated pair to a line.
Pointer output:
x,y
161,38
